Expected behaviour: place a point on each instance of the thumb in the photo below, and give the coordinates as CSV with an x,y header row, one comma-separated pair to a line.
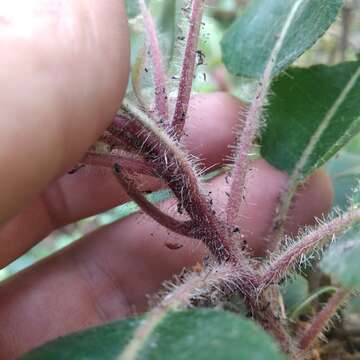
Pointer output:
x,y
63,72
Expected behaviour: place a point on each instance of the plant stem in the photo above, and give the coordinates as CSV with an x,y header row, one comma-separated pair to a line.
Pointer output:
x,y
317,238
179,227
188,67
130,163
169,161
159,73
115,143
262,307
323,318
136,73
252,124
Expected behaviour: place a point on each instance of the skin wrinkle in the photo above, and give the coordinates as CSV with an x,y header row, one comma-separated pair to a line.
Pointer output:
x,y
119,312
100,284
87,275
56,206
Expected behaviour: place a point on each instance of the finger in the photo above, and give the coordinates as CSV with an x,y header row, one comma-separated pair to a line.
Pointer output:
x,y
209,131
108,274
63,72
262,200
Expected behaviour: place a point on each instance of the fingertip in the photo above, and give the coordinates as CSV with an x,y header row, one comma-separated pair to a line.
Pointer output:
x,y
313,200
210,129
63,76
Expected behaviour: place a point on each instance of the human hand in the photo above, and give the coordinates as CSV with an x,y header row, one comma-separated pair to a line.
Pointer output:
x,y
63,73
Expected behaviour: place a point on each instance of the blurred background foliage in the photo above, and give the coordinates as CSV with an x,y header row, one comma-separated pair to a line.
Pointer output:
x,y
341,42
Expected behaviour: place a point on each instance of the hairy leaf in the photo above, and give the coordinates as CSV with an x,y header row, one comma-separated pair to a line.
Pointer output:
x,y
341,261
294,292
314,112
248,43
344,171
195,334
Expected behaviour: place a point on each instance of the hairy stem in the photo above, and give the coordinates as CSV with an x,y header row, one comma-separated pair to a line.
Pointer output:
x,y
196,286
115,143
252,124
172,164
323,318
127,162
188,67
179,227
297,175
159,73
262,307
316,239
136,74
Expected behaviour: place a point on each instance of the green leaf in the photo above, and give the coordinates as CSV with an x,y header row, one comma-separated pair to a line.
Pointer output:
x,y
313,113
248,43
344,171
195,334
101,343
341,261
132,8
305,306
294,292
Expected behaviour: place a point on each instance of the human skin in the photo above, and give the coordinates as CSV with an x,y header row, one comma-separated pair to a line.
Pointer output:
x,y
63,74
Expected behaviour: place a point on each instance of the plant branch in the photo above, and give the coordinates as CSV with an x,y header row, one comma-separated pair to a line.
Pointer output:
x,y
172,164
264,310
136,73
159,73
114,143
110,140
127,162
297,175
179,227
323,318
314,240
188,67
252,124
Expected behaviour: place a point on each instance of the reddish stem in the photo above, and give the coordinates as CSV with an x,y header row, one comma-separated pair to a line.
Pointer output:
x,y
323,318
109,139
136,73
252,124
188,67
178,173
109,160
179,227
314,240
161,97
267,318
